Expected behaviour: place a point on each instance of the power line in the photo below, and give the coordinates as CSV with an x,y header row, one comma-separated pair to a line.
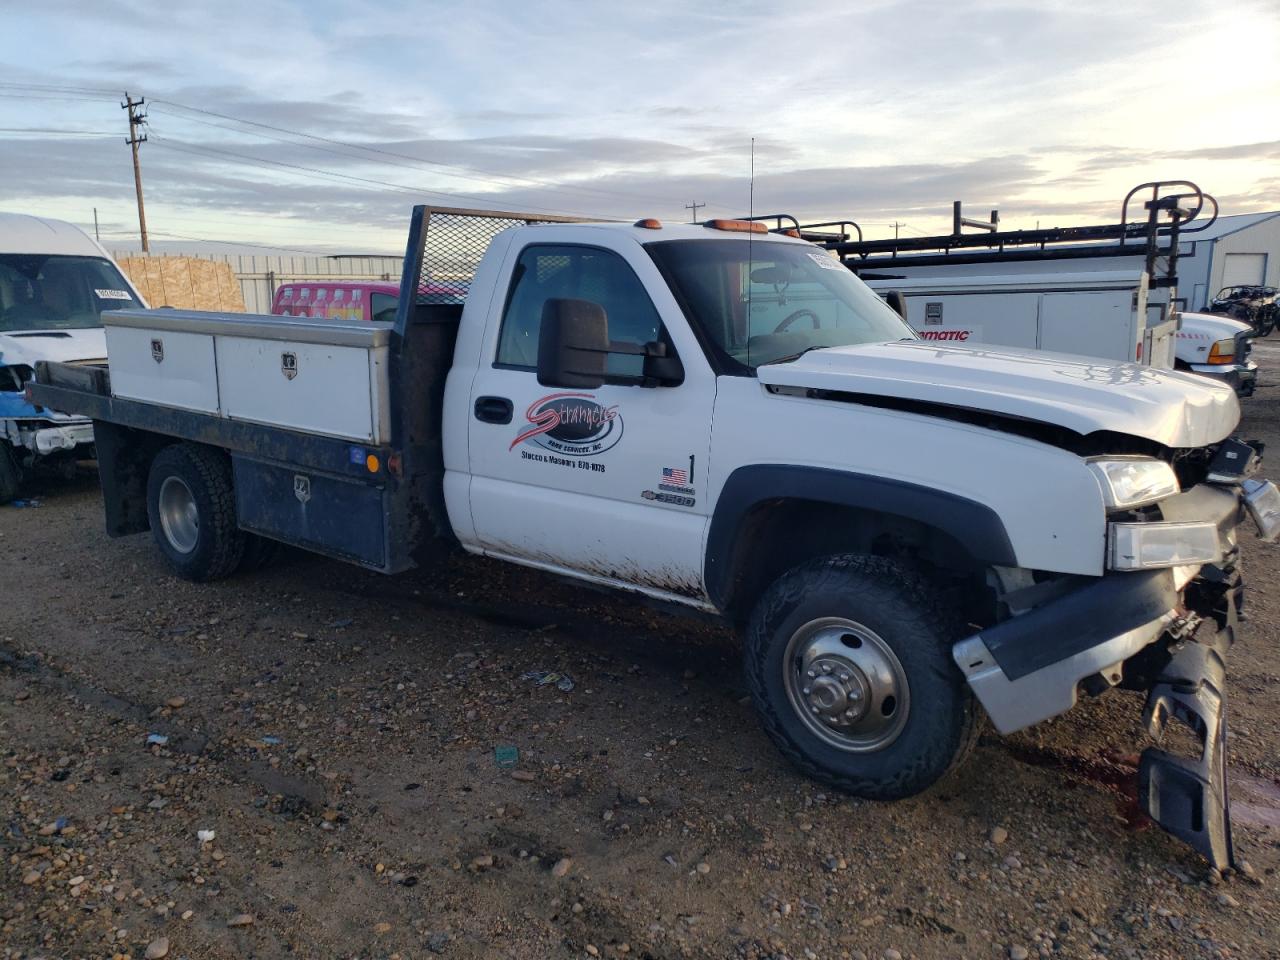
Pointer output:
x,y
506,181
58,88
467,172
384,184
50,131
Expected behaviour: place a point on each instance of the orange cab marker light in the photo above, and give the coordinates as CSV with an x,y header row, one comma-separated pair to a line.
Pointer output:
x,y
791,233
373,463
737,226
649,223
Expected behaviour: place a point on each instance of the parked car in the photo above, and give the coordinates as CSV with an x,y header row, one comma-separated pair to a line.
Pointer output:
x,y
1219,347
1255,305
55,284
908,534
359,300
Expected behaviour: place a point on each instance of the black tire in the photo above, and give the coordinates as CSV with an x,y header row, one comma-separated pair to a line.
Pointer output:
x,y
259,552
888,600
216,546
10,474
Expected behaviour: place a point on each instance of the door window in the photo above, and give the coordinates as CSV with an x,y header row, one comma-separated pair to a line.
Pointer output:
x,y
544,272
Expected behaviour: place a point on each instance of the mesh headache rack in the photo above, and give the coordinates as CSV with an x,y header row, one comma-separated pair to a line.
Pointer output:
x,y
446,245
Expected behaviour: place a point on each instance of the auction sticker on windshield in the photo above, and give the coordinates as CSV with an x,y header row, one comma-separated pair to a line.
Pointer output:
x,y
825,262
113,294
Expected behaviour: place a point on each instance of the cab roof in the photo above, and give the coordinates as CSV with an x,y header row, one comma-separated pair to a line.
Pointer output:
x,y
668,231
23,233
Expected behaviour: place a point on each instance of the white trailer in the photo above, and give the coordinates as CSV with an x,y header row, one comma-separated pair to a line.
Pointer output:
x,y
1092,314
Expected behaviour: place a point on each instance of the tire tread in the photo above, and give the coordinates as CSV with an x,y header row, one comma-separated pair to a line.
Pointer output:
x,y
872,576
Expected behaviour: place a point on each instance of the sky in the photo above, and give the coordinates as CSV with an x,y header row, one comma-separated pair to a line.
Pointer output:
x,y
314,125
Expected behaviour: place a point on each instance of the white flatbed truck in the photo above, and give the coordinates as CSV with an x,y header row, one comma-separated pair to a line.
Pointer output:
x,y
908,534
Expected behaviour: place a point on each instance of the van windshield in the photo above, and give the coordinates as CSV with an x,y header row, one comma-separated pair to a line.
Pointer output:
x,y
768,302
42,292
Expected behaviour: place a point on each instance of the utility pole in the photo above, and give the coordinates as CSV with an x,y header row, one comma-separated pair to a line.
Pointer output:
x,y
95,225
896,225
136,121
694,207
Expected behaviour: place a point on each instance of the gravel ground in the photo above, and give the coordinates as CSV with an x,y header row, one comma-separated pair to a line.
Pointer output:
x,y
338,734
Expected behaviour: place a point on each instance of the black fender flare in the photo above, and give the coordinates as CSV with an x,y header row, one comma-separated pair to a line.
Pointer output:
x,y
974,525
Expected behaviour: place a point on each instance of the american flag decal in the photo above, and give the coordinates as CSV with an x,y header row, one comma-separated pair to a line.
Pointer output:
x,y
675,475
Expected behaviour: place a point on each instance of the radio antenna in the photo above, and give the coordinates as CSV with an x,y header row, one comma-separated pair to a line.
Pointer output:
x,y
751,212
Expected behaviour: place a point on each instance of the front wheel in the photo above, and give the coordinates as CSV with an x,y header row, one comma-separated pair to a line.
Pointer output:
x,y
848,659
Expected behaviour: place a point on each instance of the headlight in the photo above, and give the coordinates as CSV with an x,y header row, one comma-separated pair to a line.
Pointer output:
x,y
1223,351
1146,546
1133,482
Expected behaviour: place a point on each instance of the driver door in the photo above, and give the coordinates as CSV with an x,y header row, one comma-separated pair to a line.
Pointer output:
x,y
605,483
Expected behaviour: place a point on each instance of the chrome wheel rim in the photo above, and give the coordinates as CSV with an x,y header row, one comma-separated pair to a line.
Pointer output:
x,y
179,518
846,685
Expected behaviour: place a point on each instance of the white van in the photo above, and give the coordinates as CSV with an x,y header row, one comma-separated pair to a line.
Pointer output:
x,y
55,283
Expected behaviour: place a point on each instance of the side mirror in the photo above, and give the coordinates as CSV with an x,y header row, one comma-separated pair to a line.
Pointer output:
x,y
897,302
573,344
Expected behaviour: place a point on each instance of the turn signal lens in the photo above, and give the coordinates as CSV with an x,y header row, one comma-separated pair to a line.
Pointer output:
x,y
373,463
1223,351
649,223
737,226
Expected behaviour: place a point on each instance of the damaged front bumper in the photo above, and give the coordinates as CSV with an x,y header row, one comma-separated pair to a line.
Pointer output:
x,y
1166,631
43,438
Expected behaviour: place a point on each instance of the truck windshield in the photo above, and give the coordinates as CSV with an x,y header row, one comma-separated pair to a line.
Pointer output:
x,y
767,302
41,292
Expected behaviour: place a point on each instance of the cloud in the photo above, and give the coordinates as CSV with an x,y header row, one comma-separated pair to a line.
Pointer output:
x,y
881,111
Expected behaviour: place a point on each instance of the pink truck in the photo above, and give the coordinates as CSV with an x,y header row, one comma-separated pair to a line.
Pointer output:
x,y
368,300
338,300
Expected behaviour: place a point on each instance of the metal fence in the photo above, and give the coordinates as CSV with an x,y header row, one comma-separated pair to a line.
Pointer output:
x,y
259,276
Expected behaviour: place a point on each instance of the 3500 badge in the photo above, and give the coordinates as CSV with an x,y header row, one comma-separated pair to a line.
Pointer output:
x,y
573,424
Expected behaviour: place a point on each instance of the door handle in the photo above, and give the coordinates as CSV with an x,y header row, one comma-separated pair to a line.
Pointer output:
x,y
493,409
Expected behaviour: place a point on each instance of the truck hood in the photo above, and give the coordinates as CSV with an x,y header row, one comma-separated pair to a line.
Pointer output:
x,y
1212,325
1082,394
61,346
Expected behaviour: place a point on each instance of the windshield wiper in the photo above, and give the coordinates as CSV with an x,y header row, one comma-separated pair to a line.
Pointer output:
x,y
791,356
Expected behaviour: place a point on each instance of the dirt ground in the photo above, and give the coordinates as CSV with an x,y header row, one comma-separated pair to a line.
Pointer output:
x,y
339,733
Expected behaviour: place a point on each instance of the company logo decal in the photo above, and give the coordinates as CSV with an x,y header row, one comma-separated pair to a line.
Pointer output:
x,y
572,424
157,350
289,365
301,487
953,335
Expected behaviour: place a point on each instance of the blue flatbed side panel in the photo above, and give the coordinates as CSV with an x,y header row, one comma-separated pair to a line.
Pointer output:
x,y
339,517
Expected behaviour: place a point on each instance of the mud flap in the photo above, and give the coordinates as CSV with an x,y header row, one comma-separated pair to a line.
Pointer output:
x,y
1187,796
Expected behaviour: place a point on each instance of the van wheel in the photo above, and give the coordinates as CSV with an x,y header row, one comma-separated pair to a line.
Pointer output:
x,y
848,659
191,505
10,474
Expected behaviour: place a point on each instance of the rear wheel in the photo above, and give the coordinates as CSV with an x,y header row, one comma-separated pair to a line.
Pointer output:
x,y
191,506
10,474
848,659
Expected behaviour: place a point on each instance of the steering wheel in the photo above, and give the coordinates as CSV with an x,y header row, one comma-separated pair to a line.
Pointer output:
x,y
796,315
